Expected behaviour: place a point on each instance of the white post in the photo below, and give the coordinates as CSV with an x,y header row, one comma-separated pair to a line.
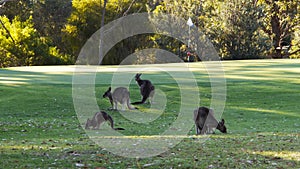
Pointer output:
x,y
190,24
189,37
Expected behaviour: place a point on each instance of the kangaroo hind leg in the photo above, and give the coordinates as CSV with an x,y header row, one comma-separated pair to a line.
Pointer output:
x,y
151,97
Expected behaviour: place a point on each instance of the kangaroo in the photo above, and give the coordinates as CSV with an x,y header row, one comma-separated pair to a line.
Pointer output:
x,y
121,95
98,119
146,89
205,121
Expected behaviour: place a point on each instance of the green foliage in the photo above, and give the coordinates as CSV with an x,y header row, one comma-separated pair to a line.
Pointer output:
x,y
20,8
295,48
240,37
232,26
21,45
13,41
280,20
85,20
238,29
50,17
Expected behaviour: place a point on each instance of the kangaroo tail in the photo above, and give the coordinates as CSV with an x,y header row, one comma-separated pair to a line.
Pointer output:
x,y
109,118
135,103
143,100
119,128
111,121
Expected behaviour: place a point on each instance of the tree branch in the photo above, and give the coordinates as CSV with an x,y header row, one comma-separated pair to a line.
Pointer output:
x,y
268,31
125,13
7,31
294,52
2,2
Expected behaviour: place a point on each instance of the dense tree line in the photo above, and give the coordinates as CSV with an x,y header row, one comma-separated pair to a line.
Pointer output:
x,y
43,32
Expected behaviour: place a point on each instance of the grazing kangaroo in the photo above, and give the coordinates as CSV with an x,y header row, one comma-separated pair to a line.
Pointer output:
x,y
121,95
98,119
205,121
146,89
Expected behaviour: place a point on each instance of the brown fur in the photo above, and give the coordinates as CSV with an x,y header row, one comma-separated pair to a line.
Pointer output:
x,y
146,89
98,119
121,95
205,121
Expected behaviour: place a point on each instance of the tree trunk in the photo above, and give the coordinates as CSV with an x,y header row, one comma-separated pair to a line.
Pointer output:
x,y
276,30
100,41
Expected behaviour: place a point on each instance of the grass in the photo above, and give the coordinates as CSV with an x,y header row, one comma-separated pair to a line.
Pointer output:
x,y
40,129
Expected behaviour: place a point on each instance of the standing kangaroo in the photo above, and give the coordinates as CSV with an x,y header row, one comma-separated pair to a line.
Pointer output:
x,y
98,119
146,89
205,121
121,95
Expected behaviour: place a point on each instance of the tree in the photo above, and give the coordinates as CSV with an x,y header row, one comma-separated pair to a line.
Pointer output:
x,y
21,8
85,20
295,44
101,53
280,21
239,36
82,23
53,31
24,47
181,9
232,26
50,17
24,40
242,29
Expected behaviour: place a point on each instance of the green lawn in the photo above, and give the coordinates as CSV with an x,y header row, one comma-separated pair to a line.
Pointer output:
x,y
40,128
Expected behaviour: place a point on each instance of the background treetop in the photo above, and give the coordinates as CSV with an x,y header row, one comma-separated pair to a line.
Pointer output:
x,y
53,31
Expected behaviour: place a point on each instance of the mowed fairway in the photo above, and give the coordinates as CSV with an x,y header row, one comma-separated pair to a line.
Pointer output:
x,y
40,129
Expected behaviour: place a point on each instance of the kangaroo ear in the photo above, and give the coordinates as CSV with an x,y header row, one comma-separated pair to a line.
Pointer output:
x,y
109,89
223,121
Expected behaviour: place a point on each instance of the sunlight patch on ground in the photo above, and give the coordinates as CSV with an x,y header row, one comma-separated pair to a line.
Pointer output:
x,y
28,147
113,68
45,69
153,137
263,69
12,80
286,155
240,70
265,74
269,111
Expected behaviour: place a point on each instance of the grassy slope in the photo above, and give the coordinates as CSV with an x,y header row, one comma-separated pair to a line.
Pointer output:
x,y
39,127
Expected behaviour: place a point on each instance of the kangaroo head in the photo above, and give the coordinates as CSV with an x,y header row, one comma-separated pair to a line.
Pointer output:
x,y
137,76
221,126
107,93
88,123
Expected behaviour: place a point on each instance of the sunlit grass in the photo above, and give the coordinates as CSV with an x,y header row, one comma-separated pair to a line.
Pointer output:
x,y
286,155
297,115
40,129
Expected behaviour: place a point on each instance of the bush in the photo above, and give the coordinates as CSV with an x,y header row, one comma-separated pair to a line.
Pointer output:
x,y
21,45
295,48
